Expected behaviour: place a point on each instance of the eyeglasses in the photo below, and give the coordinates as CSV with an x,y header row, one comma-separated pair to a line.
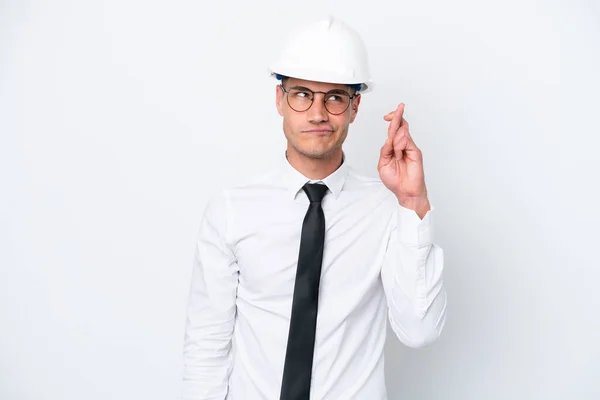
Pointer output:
x,y
300,99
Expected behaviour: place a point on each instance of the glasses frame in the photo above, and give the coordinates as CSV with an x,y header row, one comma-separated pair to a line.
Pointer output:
x,y
324,97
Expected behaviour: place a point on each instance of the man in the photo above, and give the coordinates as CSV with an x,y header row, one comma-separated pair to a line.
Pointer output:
x,y
297,271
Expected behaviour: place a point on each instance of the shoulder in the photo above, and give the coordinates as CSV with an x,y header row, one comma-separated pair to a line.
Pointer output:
x,y
251,186
367,183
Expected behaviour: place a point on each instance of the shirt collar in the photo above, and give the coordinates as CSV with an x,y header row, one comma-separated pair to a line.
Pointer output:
x,y
294,180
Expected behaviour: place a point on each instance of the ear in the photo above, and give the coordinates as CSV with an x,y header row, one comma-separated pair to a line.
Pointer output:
x,y
279,99
354,105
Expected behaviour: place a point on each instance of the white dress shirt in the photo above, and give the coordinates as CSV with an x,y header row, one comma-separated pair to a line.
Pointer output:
x,y
379,262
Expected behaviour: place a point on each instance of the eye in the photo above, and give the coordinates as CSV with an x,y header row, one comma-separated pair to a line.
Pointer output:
x,y
302,94
337,97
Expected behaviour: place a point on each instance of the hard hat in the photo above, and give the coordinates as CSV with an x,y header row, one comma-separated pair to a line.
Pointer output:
x,y
327,50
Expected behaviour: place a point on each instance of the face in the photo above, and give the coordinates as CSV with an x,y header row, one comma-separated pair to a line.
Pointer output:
x,y
315,133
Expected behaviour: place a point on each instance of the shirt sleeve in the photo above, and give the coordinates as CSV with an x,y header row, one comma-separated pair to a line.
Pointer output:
x,y
211,307
412,279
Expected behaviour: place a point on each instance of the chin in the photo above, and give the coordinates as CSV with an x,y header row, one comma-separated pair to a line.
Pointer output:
x,y
318,153
315,147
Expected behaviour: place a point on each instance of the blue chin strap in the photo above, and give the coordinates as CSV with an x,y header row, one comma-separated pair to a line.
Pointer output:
x,y
355,86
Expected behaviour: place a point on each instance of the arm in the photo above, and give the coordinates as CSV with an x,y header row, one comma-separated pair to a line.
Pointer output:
x,y
412,279
412,269
211,308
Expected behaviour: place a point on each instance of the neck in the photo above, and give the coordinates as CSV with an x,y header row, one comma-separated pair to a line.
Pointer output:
x,y
315,168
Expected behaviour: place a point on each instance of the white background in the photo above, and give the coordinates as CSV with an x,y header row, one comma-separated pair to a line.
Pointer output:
x,y
119,118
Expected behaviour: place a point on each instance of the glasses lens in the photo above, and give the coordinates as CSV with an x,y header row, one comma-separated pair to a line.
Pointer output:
x,y
336,102
299,100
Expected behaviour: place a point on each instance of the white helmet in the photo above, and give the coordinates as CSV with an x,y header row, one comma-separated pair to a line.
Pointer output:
x,y
327,50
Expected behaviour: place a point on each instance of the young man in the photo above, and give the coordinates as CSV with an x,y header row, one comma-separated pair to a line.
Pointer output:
x,y
297,272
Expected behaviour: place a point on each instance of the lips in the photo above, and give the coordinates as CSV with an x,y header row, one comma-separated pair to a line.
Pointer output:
x,y
319,131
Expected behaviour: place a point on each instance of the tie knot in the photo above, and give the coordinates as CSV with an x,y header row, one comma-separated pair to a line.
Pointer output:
x,y
315,191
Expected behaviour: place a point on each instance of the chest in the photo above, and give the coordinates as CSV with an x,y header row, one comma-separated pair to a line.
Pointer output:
x,y
267,243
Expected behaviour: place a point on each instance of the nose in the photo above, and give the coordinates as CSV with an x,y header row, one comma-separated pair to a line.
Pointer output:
x,y
317,112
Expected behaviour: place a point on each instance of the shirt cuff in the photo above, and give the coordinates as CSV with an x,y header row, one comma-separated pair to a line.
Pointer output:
x,y
414,231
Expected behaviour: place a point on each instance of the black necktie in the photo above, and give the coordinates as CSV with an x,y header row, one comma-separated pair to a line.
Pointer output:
x,y
301,339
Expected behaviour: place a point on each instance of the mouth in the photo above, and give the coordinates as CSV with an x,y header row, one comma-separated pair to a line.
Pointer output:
x,y
319,131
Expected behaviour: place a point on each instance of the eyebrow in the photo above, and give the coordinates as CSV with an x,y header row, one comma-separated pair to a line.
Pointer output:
x,y
329,91
301,88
